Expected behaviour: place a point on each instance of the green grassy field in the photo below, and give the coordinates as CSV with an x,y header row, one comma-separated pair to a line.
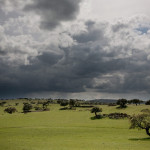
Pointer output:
x,y
69,130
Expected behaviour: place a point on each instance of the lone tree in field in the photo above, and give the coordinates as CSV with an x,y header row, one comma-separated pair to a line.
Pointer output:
x,y
141,121
95,110
122,102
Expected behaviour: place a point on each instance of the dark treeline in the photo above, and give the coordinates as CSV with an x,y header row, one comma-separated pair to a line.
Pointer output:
x,y
78,102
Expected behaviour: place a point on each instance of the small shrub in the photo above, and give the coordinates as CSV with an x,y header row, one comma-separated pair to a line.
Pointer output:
x,y
16,104
64,108
148,102
64,103
105,115
86,106
39,102
45,104
2,104
27,107
145,110
112,104
24,103
118,115
96,117
68,108
77,104
46,109
72,103
71,108
38,108
10,110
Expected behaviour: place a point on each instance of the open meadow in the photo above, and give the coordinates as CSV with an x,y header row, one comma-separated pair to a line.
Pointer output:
x,y
70,130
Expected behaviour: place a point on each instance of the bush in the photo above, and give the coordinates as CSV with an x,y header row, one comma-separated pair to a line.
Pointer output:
x,y
64,108
77,104
39,102
2,104
112,104
10,110
118,115
96,117
72,103
64,103
68,108
148,102
33,102
46,109
145,111
16,104
27,107
86,106
38,108
45,104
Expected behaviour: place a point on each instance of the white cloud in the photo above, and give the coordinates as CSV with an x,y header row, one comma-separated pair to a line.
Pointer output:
x,y
114,9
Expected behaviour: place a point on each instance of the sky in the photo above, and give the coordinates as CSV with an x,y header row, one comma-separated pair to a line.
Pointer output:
x,y
84,49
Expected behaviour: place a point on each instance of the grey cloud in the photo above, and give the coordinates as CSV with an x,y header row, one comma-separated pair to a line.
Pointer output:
x,y
53,12
87,61
101,64
49,58
5,16
2,2
94,33
119,26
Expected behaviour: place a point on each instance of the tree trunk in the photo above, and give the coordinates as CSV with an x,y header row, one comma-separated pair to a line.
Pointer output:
x,y
147,131
96,114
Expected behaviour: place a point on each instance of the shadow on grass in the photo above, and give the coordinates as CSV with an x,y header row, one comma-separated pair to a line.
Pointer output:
x,y
140,139
98,117
121,107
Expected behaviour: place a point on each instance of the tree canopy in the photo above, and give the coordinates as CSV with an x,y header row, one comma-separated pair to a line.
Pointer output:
x,y
95,110
122,102
141,121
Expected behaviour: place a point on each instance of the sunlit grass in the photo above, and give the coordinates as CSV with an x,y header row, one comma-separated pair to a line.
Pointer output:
x,y
69,130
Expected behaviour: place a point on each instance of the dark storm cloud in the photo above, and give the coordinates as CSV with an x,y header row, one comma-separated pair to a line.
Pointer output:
x,y
92,34
88,61
52,75
53,12
2,52
68,73
49,58
91,63
139,81
40,77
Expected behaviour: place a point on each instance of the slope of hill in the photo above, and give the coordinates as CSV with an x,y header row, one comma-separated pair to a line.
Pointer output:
x,y
104,101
